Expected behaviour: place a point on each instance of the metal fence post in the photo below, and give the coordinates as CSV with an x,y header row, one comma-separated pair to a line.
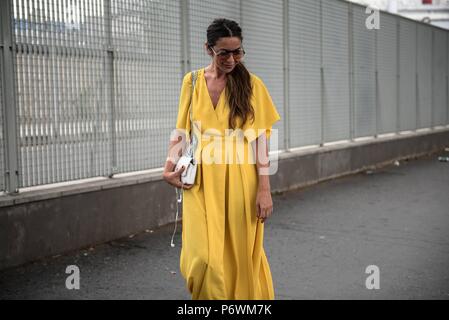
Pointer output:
x,y
185,37
398,70
322,77
241,12
351,74
286,76
109,71
9,103
376,84
432,101
416,82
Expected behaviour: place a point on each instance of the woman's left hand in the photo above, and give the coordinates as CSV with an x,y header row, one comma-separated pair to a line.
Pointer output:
x,y
264,204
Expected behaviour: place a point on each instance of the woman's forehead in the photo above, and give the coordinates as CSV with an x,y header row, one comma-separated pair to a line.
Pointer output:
x,y
228,43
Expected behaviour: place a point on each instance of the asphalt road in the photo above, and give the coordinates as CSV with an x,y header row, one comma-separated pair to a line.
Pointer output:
x,y
319,243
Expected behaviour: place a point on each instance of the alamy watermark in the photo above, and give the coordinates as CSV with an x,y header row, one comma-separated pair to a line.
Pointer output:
x,y
373,20
212,147
373,280
72,282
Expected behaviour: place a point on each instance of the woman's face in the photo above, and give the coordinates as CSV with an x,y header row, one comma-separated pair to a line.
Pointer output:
x,y
225,63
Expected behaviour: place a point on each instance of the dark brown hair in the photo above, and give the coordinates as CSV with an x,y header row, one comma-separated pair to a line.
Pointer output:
x,y
238,84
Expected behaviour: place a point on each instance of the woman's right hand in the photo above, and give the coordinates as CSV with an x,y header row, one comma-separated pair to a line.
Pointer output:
x,y
174,178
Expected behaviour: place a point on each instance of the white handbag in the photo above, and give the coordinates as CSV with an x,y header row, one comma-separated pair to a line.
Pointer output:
x,y
188,158
189,173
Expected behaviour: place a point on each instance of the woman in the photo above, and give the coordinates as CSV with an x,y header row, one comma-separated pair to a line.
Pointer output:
x,y
222,255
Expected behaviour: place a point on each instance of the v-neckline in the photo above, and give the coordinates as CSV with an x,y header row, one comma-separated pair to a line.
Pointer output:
x,y
214,108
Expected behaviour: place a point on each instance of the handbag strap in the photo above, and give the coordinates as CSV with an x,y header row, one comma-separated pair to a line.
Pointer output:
x,y
191,137
194,76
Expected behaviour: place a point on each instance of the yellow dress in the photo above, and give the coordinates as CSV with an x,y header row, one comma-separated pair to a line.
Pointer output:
x,y
222,255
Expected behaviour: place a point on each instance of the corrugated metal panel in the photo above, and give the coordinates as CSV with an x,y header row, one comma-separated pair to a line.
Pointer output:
x,y
364,53
336,70
407,75
264,51
439,76
304,71
201,14
146,37
387,66
424,76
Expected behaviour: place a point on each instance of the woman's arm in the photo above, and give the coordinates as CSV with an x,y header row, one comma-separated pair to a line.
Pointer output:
x,y
264,202
175,147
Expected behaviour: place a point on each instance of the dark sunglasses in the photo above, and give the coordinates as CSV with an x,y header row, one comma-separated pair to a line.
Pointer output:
x,y
224,54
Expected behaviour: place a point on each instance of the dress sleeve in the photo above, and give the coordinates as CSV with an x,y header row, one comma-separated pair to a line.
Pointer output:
x,y
265,113
183,120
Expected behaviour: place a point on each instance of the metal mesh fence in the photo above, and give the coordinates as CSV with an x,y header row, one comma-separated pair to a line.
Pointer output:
x,y
63,113
439,94
407,75
146,38
336,63
387,74
97,82
364,63
265,44
424,76
304,87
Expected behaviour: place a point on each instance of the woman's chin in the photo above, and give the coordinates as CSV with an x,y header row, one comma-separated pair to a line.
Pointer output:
x,y
229,68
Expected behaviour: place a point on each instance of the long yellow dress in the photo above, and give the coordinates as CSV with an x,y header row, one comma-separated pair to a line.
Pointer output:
x,y
222,255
